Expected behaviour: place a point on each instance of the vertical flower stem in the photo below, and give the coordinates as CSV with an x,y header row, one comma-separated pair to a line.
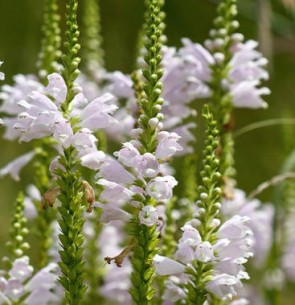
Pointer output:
x,y
209,203
46,215
50,43
69,180
17,244
221,100
70,57
71,225
146,238
92,51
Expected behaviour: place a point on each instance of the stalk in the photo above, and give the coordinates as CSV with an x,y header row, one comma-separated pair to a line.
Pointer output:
x,y
146,238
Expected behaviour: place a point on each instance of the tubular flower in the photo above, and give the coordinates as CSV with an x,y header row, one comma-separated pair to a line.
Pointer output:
x,y
232,249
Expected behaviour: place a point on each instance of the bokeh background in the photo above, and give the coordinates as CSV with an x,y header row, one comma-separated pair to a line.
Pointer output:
x,y
259,154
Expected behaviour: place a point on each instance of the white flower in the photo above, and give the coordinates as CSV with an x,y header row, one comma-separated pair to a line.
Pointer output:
x,y
128,155
167,266
93,160
223,286
167,145
113,171
41,286
2,76
21,269
56,88
14,289
204,252
160,188
13,168
173,292
149,165
114,193
111,213
97,114
148,216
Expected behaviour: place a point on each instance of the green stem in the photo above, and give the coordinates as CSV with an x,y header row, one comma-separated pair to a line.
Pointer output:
x,y
71,225
262,124
70,57
221,100
17,244
143,273
148,93
209,202
50,43
46,215
92,52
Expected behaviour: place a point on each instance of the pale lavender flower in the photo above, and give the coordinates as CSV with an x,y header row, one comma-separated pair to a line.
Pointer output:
x,y
227,255
21,270
148,166
11,95
246,94
13,290
204,252
148,216
128,155
178,92
2,75
160,188
13,168
114,192
224,285
113,171
39,287
38,115
56,88
245,74
173,292
260,221
168,144
167,266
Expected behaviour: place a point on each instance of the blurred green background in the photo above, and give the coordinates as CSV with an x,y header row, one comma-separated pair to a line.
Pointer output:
x,y
259,154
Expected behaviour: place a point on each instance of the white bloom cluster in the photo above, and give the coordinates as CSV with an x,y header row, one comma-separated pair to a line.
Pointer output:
x,y
134,176
246,69
178,92
227,255
260,221
38,114
40,287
